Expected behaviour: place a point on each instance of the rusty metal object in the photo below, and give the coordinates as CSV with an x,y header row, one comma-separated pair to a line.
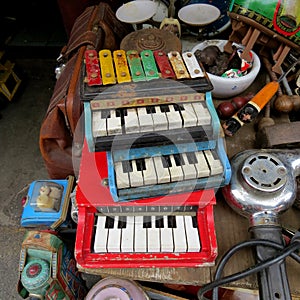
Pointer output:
x,y
282,135
151,39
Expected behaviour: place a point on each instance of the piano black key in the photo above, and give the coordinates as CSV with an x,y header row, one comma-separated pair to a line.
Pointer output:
x,y
122,222
150,109
166,161
194,221
140,164
109,222
171,221
164,108
178,160
159,222
105,114
127,166
147,222
178,107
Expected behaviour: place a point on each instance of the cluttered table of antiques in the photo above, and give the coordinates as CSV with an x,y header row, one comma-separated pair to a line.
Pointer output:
x,y
231,228
272,127
256,111
191,149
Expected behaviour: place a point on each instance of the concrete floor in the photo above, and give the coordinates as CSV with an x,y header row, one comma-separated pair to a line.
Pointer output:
x,y
20,161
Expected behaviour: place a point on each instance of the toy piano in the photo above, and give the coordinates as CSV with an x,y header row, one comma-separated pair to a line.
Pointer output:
x,y
122,113
152,159
175,230
47,203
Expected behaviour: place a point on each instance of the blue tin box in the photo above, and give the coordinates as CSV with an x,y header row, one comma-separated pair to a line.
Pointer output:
x,y
47,203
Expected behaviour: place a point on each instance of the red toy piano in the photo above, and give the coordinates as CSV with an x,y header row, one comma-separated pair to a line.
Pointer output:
x,y
168,231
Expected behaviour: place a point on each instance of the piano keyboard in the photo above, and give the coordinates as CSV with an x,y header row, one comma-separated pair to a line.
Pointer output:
x,y
166,170
139,126
146,234
119,67
149,118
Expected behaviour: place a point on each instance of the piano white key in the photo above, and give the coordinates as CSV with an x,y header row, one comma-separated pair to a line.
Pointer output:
x,y
179,235
153,237
188,166
131,121
114,123
166,237
160,121
149,173
136,176
100,242
145,119
114,237
201,165
188,115
122,177
127,242
140,235
175,169
162,173
173,117
215,164
99,124
192,235
203,115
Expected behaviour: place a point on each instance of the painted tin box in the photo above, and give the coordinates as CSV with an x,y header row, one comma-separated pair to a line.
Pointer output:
x,y
47,269
280,16
47,203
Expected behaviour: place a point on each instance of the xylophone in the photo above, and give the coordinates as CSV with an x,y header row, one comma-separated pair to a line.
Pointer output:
x,y
152,159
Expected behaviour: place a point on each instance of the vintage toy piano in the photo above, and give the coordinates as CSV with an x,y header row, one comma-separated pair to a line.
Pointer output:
x,y
152,160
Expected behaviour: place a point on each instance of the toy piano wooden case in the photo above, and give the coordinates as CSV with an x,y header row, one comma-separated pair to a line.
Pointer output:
x,y
175,230
47,203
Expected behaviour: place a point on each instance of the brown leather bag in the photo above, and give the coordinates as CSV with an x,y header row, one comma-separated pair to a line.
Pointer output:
x,y
61,133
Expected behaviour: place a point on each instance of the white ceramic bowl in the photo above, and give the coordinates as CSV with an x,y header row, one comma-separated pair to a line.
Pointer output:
x,y
229,87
